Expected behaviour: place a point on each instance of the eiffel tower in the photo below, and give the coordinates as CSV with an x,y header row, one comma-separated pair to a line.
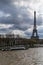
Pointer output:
x,y
34,34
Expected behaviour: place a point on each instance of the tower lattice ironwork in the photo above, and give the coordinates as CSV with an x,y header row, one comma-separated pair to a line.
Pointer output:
x,y
35,34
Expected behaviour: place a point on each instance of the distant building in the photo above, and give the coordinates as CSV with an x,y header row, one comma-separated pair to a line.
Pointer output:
x,y
10,36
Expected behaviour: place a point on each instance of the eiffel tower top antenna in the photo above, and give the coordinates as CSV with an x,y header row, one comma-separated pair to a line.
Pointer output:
x,y
34,19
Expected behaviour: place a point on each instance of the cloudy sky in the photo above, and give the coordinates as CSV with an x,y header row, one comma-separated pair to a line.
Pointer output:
x,y
17,16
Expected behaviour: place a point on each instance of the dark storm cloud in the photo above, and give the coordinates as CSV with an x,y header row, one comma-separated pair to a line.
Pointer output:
x,y
40,30
40,35
28,33
20,27
5,1
39,20
14,11
5,30
20,23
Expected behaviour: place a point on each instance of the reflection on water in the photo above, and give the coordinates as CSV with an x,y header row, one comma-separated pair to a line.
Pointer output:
x,y
32,56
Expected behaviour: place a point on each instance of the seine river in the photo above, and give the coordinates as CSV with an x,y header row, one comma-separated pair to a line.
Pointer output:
x,y
32,56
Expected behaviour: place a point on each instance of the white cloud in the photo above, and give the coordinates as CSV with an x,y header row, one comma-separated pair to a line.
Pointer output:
x,y
19,16
2,14
18,32
31,5
29,30
21,3
5,26
7,15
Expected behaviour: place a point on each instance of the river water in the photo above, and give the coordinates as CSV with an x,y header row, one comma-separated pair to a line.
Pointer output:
x,y
32,56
